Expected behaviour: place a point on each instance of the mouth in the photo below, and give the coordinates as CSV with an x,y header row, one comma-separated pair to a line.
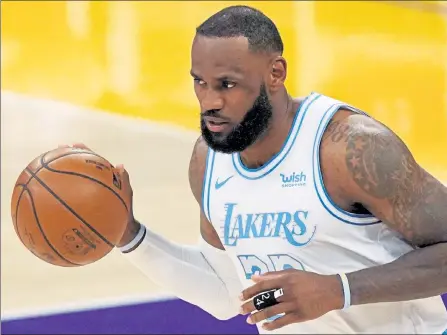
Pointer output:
x,y
215,125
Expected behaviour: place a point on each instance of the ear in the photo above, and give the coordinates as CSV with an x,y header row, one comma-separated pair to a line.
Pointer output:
x,y
278,73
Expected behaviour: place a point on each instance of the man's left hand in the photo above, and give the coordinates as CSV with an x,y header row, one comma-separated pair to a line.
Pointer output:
x,y
306,296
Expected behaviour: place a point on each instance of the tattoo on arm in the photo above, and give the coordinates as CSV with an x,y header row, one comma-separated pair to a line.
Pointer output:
x,y
384,168
337,131
387,180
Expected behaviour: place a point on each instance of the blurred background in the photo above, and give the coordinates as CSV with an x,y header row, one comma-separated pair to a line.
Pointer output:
x,y
115,75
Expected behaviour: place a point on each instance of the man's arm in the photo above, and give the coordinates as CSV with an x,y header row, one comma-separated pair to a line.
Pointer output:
x,y
373,167
202,275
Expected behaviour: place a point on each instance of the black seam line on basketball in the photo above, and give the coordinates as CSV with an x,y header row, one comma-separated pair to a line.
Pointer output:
x,y
89,178
24,187
42,232
16,226
51,161
71,210
40,168
46,165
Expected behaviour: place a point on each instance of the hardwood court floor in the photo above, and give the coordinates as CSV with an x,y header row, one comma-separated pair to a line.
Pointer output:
x,y
157,158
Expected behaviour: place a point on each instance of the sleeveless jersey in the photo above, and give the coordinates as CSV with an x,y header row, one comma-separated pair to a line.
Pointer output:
x,y
280,216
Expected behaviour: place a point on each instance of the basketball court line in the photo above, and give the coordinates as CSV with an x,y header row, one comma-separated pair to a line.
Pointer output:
x,y
157,157
107,302
31,126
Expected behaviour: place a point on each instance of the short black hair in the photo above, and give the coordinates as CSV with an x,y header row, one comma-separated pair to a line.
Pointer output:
x,y
235,21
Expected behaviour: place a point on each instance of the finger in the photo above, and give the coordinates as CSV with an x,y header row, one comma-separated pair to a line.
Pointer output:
x,y
119,171
257,278
124,182
268,283
249,305
270,312
81,146
119,168
271,274
75,145
123,173
282,321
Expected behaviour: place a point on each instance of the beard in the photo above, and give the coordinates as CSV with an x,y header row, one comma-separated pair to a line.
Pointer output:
x,y
252,127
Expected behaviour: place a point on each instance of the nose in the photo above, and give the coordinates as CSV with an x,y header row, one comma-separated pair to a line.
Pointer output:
x,y
211,99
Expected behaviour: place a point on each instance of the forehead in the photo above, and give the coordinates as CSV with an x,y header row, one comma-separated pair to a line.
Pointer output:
x,y
215,55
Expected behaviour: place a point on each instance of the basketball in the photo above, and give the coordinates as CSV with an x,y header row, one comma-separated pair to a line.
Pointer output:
x,y
68,207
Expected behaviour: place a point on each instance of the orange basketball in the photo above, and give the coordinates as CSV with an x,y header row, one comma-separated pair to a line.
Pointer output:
x,y
68,208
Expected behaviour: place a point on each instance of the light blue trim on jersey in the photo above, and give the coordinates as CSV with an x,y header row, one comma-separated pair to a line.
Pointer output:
x,y
209,185
204,183
273,162
206,186
323,196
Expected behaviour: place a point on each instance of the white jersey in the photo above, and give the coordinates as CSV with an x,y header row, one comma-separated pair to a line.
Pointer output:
x,y
279,216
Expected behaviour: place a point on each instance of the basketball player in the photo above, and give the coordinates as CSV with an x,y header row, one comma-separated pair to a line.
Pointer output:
x,y
315,217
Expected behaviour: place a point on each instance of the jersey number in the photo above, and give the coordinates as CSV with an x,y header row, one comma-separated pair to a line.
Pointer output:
x,y
254,265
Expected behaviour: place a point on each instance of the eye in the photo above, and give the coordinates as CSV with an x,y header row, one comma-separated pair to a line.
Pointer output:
x,y
228,84
199,81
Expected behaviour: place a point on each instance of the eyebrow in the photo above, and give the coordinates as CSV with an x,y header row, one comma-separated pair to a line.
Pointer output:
x,y
224,76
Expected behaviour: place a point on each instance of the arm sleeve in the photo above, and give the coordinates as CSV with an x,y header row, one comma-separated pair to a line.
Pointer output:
x,y
201,275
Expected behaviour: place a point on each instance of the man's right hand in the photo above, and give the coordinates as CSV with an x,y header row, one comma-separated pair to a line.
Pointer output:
x,y
133,226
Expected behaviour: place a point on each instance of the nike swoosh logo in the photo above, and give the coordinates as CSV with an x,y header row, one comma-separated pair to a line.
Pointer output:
x,y
219,185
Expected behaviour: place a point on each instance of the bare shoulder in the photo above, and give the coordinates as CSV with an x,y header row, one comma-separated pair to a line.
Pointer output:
x,y
365,162
362,150
352,147
197,167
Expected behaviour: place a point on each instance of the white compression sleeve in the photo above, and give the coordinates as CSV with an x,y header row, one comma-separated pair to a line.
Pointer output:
x,y
201,275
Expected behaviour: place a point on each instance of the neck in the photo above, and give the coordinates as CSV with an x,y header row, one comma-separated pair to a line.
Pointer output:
x,y
273,140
